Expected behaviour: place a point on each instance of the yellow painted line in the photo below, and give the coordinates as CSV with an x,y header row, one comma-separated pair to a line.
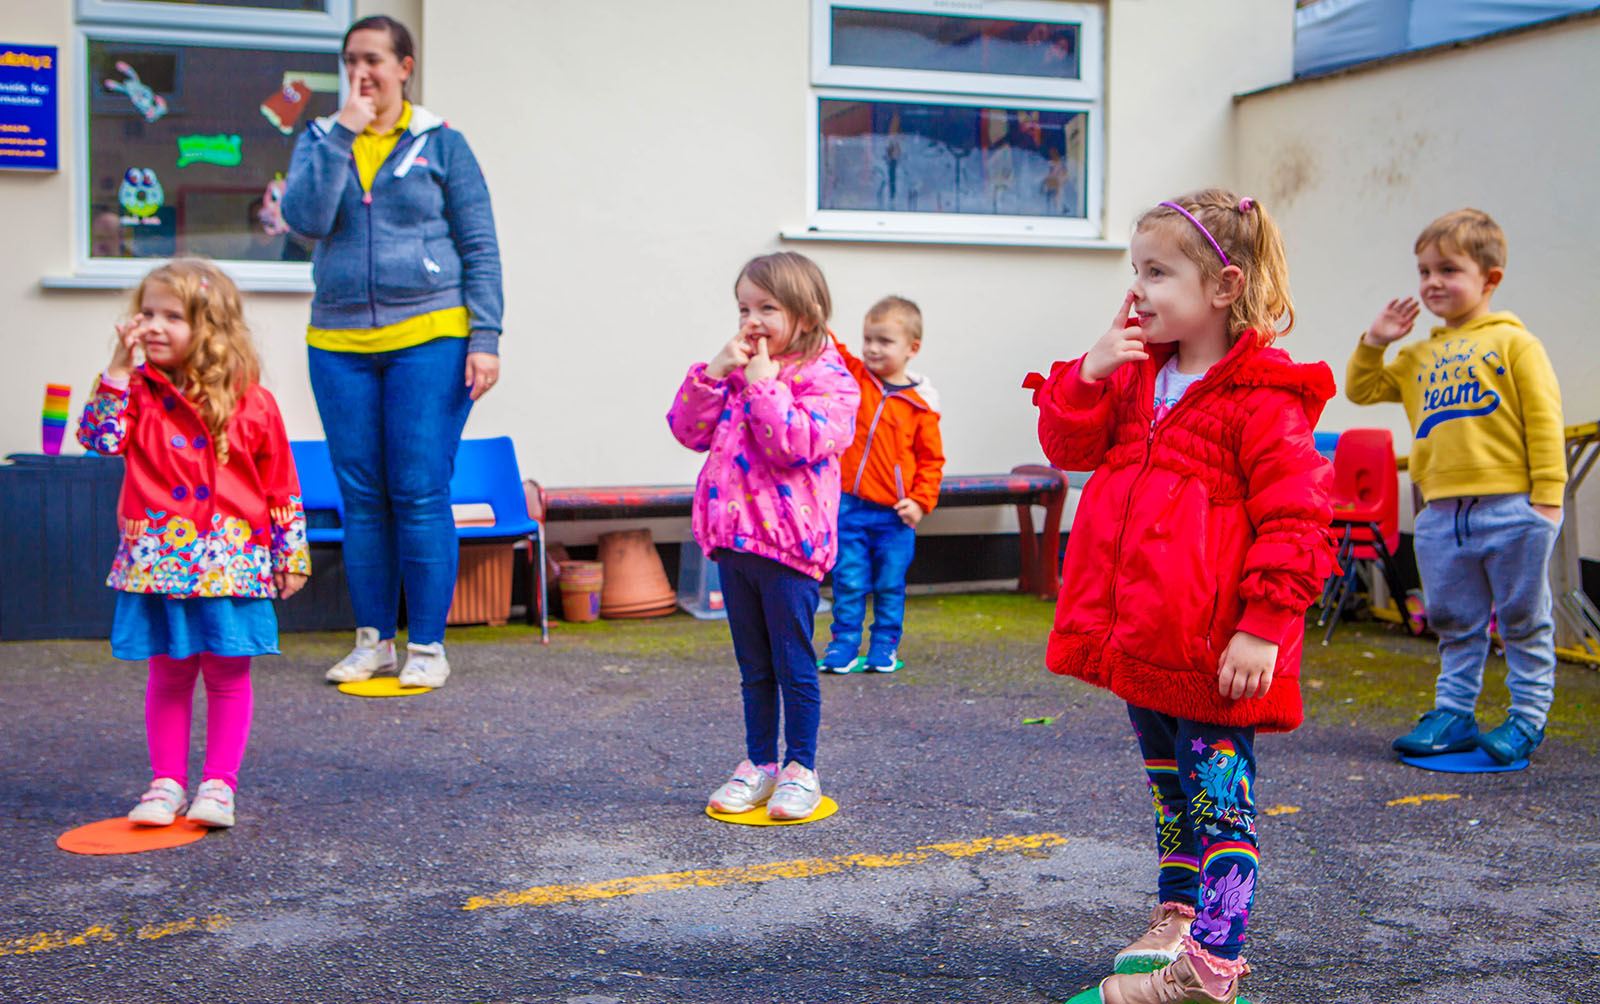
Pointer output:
x,y
1282,810
1419,799
549,895
50,941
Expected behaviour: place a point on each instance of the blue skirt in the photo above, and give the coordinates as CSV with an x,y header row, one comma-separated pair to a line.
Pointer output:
x,y
148,624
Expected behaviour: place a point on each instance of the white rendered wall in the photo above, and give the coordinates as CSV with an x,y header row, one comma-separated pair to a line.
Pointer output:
x,y
1357,164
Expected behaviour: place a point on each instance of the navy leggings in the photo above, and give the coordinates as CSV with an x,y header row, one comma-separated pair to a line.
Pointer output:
x,y
1201,777
772,611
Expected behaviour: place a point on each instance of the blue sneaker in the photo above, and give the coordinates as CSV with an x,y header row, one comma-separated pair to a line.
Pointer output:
x,y
1512,741
879,663
838,659
1440,731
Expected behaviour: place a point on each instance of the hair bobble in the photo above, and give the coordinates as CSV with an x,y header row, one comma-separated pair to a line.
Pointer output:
x,y
1246,204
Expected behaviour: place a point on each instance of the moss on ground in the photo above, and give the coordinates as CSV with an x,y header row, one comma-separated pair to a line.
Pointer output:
x,y
1373,676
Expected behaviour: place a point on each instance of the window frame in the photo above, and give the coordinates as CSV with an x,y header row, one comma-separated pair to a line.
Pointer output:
x,y
209,17
852,83
115,273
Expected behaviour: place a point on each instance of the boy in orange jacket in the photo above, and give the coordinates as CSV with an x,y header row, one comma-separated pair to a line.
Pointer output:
x,y
891,480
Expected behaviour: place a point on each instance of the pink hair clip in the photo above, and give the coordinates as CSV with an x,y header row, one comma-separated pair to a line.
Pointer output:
x,y
1246,204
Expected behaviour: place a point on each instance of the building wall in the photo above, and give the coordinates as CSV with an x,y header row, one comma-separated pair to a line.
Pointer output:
x,y
638,152
1354,166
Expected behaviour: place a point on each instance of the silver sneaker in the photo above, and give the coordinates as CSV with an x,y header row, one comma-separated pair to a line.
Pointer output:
x,y
370,655
160,805
426,666
213,804
749,787
797,795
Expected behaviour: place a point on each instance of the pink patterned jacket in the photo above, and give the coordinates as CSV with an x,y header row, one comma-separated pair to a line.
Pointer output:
x,y
771,483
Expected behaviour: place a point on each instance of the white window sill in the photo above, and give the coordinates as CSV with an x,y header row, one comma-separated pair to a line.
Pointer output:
x,y
123,279
991,240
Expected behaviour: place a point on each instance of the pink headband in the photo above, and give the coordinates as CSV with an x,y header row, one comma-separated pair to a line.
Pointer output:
x,y
1204,232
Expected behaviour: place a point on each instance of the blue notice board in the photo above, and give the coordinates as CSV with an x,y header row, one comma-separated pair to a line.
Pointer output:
x,y
29,133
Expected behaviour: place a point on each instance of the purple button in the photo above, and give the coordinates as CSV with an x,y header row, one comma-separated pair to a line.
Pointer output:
x,y
169,402
179,442
198,442
180,493
202,492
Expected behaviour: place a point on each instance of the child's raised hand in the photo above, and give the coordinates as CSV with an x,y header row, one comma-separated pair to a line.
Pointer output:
x,y
130,336
734,355
1393,322
761,366
1246,666
1122,343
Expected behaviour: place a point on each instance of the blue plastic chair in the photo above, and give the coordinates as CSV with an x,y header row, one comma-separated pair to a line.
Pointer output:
x,y
319,489
486,472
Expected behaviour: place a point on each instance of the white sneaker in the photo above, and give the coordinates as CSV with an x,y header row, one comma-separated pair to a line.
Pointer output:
x,y
369,656
160,805
798,794
213,804
426,666
749,787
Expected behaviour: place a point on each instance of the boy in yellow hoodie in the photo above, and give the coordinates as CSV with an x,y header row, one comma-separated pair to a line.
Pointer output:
x,y
1489,459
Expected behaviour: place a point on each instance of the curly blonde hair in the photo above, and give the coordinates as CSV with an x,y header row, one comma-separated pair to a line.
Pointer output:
x,y
1252,242
222,363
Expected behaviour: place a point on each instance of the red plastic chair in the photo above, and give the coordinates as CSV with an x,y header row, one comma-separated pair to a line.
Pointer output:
x,y
1366,515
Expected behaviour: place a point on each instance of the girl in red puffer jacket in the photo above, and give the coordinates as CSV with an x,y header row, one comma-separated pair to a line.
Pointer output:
x,y
1197,547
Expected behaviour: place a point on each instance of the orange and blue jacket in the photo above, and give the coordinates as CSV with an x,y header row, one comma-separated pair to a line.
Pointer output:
x,y
897,453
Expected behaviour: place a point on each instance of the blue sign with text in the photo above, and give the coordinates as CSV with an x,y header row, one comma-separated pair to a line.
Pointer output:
x,y
29,136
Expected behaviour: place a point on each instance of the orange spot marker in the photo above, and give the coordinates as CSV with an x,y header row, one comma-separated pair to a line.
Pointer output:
x,y
119,836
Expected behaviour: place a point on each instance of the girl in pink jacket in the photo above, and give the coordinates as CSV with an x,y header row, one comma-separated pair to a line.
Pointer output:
x,y
774,410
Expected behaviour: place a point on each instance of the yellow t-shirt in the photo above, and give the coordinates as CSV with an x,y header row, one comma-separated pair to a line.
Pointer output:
x,y
370,150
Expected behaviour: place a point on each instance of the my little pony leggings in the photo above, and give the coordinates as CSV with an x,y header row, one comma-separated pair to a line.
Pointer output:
x,y
1201,777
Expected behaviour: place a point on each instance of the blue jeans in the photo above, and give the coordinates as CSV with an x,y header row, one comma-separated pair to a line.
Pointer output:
x,y
1201,777
772,611
393,422
875,549
1480,555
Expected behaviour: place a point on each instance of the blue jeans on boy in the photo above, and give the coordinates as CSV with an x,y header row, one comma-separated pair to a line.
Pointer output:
x,y
393,422
1480,555
772,611
875,549
1201,777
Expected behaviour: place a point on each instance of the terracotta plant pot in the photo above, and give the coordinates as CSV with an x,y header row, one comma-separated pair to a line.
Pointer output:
x,y
635,582
581,583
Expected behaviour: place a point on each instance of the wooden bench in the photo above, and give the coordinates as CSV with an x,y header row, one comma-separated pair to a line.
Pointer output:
x,y
1024,487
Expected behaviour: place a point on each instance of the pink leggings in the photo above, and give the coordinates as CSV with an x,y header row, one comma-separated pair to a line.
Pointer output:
x,y
169,701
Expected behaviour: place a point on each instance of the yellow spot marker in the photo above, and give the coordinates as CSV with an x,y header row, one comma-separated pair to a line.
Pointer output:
x,y
758,815
49,941
550,895
380,686
1282,810
1419,799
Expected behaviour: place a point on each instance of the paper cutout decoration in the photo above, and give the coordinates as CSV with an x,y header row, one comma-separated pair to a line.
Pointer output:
x,y
150,104
270,214
120,836
141,193
380,686
284,106
758,815
224,151
54,421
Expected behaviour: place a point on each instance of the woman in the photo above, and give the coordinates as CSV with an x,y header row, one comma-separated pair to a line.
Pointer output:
x,y
404,336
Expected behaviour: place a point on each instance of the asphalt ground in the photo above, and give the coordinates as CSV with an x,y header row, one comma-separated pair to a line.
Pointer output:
x,y
534,832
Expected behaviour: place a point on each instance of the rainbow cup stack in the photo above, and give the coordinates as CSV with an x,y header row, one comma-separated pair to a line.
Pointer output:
x,y
55,416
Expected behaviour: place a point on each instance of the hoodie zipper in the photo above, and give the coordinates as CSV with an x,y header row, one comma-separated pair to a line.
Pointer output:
x,y
872,431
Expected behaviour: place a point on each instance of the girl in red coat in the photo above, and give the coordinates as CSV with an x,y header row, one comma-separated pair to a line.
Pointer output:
x,y
1197,547
211,521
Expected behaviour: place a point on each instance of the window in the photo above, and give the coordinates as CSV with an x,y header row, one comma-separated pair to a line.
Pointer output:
x,y
962,119
189,116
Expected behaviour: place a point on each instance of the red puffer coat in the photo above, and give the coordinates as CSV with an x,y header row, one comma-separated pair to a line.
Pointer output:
x,y
1211,521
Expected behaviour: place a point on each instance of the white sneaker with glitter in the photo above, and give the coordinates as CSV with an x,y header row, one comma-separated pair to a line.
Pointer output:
x,y
370,655
426,666
160,805
213,804
798,794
